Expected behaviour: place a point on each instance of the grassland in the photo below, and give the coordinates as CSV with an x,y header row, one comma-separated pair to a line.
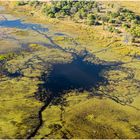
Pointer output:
x,y
132,5
79,115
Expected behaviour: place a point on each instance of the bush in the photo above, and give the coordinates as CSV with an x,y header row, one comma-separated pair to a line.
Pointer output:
x,y
114,15
125,25
130,17
91,19
2,57
112,21
135,30
111,29
55,9
51,15
82,13
21,3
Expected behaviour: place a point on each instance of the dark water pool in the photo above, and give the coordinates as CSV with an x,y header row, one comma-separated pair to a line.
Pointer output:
x,y
77,75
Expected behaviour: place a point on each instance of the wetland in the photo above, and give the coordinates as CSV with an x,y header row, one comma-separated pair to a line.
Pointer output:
x,y
63,81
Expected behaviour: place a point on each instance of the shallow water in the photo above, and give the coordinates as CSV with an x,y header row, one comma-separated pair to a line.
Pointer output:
x,y
21,25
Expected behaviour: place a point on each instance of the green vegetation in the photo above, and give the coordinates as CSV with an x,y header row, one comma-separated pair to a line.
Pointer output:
x,y
77,9
2,57
81,116
21,3
7,56
91,19
135,30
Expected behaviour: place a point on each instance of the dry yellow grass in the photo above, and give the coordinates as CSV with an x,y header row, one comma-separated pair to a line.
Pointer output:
x,y
133,5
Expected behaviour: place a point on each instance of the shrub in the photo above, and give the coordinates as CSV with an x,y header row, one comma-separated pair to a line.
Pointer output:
x,y
111,29
111,20
21,3
135,30
51,15
2,57
91,19
114,15
125,25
